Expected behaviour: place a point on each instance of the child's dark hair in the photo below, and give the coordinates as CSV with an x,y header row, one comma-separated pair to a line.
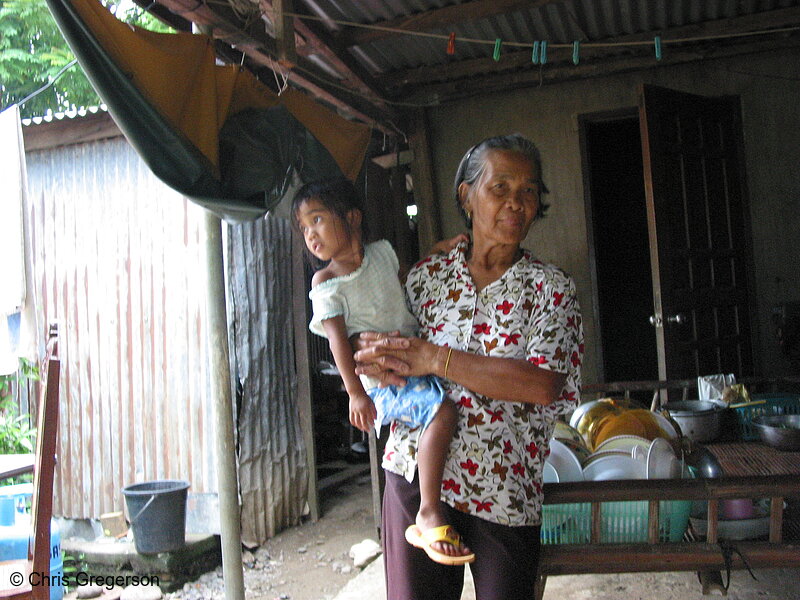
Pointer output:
x,y
337,195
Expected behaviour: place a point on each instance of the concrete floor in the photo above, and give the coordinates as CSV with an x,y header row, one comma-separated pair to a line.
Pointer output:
x,y
772,584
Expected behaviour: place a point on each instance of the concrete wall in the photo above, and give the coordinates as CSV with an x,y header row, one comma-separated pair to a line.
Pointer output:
x,y
768,86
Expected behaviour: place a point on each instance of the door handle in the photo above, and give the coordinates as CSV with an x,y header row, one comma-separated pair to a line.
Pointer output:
x,y
678,319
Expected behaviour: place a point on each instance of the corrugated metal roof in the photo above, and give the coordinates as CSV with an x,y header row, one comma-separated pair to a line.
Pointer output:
x,y
75,113
556,22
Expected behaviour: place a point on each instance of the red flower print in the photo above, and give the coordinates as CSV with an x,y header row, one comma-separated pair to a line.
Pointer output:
x,y
389,455
423,261
580,348
470,466
510,338
505,307
482,328
429,303
500,470
450,484
465,401
532,449
557,298
518,469
482,506
439,327
474,419
539,286
571,323
537,360
575,359
507,447
569,396
497,415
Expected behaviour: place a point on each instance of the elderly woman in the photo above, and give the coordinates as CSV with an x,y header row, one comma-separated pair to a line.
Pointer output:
x,y
503,330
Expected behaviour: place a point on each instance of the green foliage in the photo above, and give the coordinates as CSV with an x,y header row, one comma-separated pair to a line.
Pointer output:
x,y
16,434
74,564
33,52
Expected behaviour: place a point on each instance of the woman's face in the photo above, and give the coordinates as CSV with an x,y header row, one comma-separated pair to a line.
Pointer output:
x,y
503,202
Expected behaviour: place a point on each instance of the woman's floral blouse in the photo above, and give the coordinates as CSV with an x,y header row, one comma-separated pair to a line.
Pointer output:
x,y
494,469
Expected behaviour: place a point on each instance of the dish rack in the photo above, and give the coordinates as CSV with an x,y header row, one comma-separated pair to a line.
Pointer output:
x,y
764,404
622,522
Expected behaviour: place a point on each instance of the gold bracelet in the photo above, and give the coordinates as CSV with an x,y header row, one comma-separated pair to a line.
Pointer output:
x,y
447,362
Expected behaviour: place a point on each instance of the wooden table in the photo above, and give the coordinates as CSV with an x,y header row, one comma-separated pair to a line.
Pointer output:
x,y
752,471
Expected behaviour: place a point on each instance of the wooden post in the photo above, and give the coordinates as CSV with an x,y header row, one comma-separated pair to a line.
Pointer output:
x,y
429,216
304,407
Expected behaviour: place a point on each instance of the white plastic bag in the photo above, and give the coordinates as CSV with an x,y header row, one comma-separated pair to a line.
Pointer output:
x,y
710,387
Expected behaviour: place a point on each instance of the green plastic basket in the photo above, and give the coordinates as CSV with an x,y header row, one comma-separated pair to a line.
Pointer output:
x,y
774,404
621,522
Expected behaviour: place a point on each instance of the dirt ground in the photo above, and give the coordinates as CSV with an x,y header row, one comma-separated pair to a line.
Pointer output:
x,y
308,562
312,562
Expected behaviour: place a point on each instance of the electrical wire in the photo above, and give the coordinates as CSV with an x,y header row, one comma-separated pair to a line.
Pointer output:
x,y
68,66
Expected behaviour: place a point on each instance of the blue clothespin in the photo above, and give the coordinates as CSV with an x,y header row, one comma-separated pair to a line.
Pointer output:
x,y
543,53
535,53
657,44
576,52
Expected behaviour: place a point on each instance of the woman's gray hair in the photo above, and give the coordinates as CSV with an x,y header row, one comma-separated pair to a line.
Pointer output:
x,y
473,164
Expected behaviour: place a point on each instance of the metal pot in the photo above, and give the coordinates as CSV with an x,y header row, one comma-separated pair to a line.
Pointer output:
x,y
779,431
699,420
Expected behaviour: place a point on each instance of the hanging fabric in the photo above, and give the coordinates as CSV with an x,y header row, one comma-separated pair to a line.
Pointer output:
x,y
171,101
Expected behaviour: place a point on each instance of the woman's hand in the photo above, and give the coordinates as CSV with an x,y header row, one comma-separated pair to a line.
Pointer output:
x,y
362,412
391,357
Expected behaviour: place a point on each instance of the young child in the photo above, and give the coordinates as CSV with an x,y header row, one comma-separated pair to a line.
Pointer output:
x,y
359,290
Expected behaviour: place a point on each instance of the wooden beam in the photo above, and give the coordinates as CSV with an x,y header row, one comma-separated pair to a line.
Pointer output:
x,y
315,40
466,69
284,32
67,131
439,18
550,74
177,22
260,48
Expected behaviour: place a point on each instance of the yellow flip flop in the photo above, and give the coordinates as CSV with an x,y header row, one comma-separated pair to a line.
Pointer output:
x,y
444,533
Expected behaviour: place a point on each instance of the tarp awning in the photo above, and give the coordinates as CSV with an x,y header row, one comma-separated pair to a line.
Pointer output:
x,y
171,100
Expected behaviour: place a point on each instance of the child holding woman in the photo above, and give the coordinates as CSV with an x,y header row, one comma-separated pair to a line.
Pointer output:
x,y
359,290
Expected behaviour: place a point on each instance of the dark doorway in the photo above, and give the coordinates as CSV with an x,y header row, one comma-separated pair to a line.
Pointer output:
x,y
613,154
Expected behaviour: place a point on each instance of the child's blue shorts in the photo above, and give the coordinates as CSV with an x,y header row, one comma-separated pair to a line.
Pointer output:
x,y
414,404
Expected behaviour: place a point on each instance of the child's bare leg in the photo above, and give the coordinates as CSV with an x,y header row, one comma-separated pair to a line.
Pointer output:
x,y
431,456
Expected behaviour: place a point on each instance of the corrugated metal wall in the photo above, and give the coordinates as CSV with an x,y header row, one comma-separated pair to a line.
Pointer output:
x,y
273,475
117,261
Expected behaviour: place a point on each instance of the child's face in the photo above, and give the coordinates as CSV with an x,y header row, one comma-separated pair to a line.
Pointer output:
x,y
324,232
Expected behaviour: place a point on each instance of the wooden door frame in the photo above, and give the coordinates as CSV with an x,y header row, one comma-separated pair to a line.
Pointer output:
x,y
584,120
651,176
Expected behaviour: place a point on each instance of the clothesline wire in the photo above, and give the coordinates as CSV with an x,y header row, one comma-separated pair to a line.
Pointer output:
x,y
441,36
